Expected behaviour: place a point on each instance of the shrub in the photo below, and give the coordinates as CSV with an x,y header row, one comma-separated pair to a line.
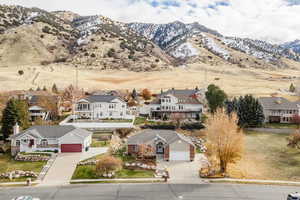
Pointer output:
x,y
45,62
46,29
93,55
108,164
124,132
111,52
146,94
20,72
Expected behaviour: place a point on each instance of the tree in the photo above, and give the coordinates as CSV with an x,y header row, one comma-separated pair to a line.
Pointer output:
x,y
292,88
54,89
294,140
38,88
225,140
215,97
49,103
44,88
108,164
177,119
124,132
231,106
250,112
134,94
146,94
16,111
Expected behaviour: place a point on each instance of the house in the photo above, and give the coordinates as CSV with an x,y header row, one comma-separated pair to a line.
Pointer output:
x,y
185,103
279,110
50,138
101,107
170,145
42,107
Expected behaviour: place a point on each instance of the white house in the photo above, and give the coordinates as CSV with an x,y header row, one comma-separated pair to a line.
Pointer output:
x,y
101,107
50,138
184,103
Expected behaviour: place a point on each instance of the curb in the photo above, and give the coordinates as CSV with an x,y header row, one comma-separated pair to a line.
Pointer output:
x,y
254,181
133,180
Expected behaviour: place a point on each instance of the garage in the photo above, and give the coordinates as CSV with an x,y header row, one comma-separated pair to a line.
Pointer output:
x,y
179,155
71,148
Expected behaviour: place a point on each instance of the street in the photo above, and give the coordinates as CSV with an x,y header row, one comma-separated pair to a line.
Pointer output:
x,y
152,192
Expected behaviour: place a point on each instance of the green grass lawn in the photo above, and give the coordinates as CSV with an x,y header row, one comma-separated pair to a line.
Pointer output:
x,y
89,172
8,164
266,156
278,125
97,143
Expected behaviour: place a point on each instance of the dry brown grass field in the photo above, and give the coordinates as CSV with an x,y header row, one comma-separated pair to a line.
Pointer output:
x,y
234,80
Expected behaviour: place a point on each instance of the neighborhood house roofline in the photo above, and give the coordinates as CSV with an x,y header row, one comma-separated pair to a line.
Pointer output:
x,y
52,132
101,98
149,135
278,103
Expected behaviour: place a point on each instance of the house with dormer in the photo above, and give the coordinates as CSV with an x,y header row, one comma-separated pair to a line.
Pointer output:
x,y
186,103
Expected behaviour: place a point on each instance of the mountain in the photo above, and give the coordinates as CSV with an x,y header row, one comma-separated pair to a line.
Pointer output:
x,y
294,46
32,36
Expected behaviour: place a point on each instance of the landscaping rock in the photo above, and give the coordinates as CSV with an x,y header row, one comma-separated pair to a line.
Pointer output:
x,y
18,174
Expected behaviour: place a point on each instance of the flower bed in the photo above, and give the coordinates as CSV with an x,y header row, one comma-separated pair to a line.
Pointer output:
x,y
18,174
34,157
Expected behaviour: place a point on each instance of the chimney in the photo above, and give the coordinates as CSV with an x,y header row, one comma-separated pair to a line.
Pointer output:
x,y
16,129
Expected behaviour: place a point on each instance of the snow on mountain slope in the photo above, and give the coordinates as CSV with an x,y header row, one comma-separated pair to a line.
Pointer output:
x,y
294,46
210,44
185,50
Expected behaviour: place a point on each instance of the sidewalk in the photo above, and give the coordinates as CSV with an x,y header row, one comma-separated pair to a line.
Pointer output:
x,y
118,180
252,181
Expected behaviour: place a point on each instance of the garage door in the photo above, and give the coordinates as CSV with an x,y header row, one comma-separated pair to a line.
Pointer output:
x,y
68,148
180,155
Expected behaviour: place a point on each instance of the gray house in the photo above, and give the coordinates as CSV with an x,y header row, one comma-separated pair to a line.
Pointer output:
x,y
279,110
172,146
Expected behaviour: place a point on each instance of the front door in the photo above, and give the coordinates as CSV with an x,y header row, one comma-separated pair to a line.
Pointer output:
x,y
31,143
160,148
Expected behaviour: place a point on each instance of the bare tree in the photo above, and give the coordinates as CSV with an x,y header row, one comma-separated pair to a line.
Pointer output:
x,y
225,139
177,119
296,120
294,140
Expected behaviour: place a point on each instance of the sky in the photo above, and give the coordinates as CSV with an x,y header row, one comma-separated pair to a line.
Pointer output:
x,y
276,21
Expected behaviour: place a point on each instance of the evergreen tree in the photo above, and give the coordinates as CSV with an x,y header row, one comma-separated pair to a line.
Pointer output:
x,y
16,111
292,88
134,94
38,88
44,88
250,112
231,106
215,97
54,89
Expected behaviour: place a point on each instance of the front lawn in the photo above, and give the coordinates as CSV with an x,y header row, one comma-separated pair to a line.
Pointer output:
x,y
266,156
89,172
8,164
279,125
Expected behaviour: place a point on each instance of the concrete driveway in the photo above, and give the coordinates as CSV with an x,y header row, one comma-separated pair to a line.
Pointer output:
x,y
64,166
183,172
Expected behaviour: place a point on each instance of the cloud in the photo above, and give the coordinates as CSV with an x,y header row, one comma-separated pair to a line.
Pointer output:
x,y
272,20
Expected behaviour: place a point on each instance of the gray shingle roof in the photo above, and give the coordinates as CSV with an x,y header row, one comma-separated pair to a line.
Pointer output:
x,y
52,131
185,95
101,98
277,103
148,135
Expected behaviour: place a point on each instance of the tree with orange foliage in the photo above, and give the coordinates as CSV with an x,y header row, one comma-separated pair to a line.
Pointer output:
x,y
225,140
146,94
108,164
294,140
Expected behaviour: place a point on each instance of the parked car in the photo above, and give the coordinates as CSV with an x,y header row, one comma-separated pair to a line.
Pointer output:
x,y
293,196
25,198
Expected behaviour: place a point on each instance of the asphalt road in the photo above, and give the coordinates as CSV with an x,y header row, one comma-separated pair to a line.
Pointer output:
x,y
152,192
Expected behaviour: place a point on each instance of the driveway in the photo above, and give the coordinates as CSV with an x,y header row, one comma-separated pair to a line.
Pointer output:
x,y
183,172
64,166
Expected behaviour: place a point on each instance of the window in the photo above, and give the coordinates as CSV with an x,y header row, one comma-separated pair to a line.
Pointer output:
x,y
121,113
162,100
101,114
44,142
17,143
110,113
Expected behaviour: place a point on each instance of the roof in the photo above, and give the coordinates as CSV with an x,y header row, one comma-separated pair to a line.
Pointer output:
x,y
34,100
52,132
169,137
277,103
101,98
187,96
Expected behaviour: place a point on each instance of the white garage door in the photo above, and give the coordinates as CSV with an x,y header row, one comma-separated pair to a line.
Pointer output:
x,y
180,155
